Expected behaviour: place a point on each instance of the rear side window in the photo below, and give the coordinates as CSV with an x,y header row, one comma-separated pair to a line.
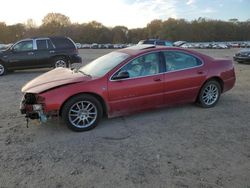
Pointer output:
x,y
41,44
62,42
178,60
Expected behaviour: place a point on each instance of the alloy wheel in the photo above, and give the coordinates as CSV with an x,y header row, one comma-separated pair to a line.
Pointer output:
x,y
60,63
82,114
210,94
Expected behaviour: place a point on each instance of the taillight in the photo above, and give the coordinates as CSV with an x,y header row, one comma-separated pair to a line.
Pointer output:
x,y
76,51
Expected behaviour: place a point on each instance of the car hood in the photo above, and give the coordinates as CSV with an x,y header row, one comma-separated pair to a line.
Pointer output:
x,y
52,79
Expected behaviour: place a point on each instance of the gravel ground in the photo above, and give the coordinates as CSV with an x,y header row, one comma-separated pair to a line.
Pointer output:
x,y
184,146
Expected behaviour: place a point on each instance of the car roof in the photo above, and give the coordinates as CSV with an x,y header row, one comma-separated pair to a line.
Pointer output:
x,y
140,48
43,37
144,48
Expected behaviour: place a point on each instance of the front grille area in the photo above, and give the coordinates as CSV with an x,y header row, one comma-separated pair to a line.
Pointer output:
x,y
30,98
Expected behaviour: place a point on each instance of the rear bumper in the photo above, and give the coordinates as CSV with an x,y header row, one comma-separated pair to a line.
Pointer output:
x,y
75,58
229,84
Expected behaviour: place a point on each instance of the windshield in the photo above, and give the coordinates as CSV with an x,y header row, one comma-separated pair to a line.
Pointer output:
x,y
104,64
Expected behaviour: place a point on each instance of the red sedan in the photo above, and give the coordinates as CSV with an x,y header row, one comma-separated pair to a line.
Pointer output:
x,y
129,80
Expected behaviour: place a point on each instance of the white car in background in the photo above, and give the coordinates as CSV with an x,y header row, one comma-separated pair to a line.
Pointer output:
x,y
2,46
78,45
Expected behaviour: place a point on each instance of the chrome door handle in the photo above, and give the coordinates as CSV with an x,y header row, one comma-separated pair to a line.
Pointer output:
x,y
30,53
52,51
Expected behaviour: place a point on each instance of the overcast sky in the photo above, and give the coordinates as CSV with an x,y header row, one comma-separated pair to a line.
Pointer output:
x,y
130,13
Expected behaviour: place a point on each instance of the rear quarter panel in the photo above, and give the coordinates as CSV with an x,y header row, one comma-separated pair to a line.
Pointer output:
x,y
224,69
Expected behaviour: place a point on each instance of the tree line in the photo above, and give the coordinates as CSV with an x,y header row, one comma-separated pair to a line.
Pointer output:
x,y
198,30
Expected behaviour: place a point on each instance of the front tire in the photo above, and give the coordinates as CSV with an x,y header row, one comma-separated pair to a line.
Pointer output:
x,y
209,94
82,112
2,69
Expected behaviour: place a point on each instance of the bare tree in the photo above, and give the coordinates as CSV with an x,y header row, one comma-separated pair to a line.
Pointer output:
x,y
56,18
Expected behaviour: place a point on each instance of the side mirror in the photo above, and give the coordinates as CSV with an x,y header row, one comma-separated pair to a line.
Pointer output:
x,y
121,75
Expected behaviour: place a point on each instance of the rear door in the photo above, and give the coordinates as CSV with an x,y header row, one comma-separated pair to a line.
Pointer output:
x,y
44,52
142,90
184,76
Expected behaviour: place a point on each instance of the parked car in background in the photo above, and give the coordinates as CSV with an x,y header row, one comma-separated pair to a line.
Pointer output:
x,y
245,45
242,56
86,46
39,53
186,45
94,46
220,46
119,46
125,81
234,44
2,46
78,45
156,42
179,43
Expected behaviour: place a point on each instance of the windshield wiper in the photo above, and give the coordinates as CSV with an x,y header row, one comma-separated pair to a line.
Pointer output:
x,y
84,73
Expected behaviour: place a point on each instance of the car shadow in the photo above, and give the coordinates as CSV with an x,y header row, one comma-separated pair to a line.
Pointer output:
x,y
31,71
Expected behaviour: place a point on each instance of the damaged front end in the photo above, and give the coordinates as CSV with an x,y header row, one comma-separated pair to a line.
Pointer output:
x,y
33,106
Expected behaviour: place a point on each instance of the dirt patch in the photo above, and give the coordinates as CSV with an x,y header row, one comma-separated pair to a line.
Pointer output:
x,y
183,146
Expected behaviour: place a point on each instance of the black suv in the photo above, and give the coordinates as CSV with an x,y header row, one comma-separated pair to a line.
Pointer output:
x,y
39,53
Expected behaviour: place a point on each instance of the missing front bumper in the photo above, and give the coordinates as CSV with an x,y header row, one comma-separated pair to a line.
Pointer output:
x,y
34,111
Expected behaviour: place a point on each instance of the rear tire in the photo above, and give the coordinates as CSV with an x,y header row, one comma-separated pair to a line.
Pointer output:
x,y
209,94
82,112
60,62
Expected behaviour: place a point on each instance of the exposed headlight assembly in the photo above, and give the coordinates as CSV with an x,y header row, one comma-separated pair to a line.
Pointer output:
x,y
37,107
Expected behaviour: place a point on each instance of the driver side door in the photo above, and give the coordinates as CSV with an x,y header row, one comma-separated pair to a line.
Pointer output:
x,y
143,89
22,55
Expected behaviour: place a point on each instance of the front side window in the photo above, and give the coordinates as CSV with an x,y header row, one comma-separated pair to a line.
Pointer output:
x,y
41,44
178,60
24,46
145,65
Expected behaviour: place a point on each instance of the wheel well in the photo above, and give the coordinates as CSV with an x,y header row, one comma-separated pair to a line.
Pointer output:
x,y
216,78
219,80
63,56
98,97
